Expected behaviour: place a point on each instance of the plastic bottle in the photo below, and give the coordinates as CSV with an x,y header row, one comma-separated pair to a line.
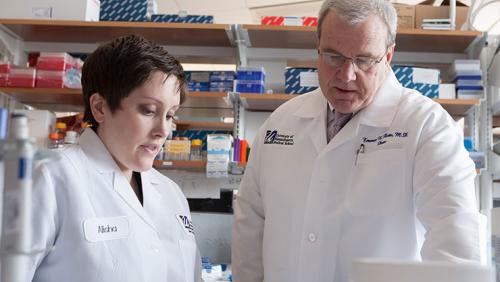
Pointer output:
x,y
61,130
196,145
54,141
71,137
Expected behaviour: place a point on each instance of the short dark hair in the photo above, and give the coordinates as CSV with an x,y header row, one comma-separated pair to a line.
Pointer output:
x,y
116,68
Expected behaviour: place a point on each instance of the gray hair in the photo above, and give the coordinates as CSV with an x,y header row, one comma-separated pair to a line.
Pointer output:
x,y
356,11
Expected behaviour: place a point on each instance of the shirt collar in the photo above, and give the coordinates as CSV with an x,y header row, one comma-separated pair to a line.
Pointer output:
x,y
96,152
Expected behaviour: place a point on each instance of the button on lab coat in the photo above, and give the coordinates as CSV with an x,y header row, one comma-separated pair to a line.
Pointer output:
x,y
306,209
80,197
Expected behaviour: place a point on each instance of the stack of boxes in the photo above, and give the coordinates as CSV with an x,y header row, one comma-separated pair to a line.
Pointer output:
x,y
426,81
58,70
221,81
300,80
468,79
4,71
17,77
250,80
198,81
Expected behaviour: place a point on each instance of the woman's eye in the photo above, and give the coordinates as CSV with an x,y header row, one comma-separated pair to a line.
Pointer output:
x,y
171,117
147,111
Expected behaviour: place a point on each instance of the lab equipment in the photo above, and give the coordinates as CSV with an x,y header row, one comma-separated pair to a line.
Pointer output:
x,y
18,152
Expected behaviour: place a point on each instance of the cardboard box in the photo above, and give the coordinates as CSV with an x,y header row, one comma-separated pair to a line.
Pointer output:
x,y
174,18
439,12
81,10
406,15
289,21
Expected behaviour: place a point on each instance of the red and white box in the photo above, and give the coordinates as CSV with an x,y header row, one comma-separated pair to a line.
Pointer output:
x,y
289,21
49,79
21,78
4,73
54,61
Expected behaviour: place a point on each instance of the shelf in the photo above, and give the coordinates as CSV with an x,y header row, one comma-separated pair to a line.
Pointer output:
x,y
185,125
407,40
65,96
214,35
159,164
269,102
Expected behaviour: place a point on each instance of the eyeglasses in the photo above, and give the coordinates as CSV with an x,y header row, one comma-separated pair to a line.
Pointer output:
x,y
362,63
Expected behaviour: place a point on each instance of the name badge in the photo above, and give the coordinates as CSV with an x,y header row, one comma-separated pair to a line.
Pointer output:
x,y
105,228
186,224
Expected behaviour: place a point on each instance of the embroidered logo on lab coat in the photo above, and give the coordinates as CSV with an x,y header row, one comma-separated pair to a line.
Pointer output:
x,y
273,137
186,224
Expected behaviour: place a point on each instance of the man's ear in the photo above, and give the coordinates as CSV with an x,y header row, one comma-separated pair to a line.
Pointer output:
x,y
97,105
390,54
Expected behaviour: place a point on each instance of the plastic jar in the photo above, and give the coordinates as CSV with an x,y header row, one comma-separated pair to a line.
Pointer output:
x,y
54,141
71,137
196,145
61,130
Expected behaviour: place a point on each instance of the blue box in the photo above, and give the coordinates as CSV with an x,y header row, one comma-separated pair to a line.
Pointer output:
x,y
406,76
217,76
250,73
300,80
249,86
199,76
124,10
174,18
221,86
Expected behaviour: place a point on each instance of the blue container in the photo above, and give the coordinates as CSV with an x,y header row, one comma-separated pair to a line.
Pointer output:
x,y
300,80
124,10
174,18
250,73
250,86
220,76
404,74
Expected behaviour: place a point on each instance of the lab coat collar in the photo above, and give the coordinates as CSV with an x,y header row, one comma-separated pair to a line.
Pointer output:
x,y
97,152
101,160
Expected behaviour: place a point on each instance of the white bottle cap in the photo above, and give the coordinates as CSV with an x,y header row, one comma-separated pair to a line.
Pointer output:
x,y
70,137
19,126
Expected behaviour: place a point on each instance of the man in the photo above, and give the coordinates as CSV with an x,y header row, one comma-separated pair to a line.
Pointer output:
x,y
394,182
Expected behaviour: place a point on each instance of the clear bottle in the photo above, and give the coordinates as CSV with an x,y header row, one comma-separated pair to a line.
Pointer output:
x,y
54,141
196,145
61,130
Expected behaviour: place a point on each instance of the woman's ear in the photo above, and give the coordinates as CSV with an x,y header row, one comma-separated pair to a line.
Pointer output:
x,y
97,104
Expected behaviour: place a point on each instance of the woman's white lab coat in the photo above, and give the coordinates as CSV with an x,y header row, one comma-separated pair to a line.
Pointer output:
x,y
93,227
395,182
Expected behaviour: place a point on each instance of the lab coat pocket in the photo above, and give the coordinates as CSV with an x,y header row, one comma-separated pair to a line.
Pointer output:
x,y
378,181
188,250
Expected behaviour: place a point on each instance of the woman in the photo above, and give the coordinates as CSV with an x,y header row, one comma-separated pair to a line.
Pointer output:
x,y
101,213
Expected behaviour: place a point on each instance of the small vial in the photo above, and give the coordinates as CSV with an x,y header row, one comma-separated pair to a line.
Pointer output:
x,y
54,141
196,145
61,130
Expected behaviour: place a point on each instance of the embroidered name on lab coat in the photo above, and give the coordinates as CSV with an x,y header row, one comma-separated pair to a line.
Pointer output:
x,y
186,224
273,137
105,228
382,139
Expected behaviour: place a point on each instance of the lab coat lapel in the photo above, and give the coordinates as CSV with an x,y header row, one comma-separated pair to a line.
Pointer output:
x,y
123,188
152,197
104,163
315,110
379,113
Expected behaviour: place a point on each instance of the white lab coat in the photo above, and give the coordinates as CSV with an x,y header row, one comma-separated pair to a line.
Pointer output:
x,y
93,227
306,209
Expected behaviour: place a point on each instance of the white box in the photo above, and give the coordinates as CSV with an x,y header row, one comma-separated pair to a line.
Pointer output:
x,y
80,10
40,124
447,91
